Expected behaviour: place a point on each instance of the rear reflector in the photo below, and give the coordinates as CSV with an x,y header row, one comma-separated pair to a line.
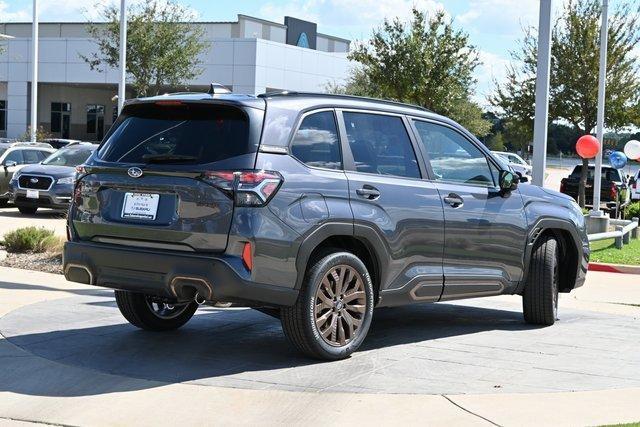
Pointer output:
x,y
246,256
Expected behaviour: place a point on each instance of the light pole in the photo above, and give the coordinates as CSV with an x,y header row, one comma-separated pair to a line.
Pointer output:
x,y
597,175
34,72
542,94
123,55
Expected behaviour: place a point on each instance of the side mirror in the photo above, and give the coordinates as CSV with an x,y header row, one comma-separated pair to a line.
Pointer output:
x,y
9,164
523,179
508,181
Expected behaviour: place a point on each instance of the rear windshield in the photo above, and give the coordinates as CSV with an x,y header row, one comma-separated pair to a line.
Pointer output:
x,y
183,133
608,174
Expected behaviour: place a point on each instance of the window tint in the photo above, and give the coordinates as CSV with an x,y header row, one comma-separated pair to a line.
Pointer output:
x,y
608,174
452,156
184,134
31,156
14,156
316,142
380,144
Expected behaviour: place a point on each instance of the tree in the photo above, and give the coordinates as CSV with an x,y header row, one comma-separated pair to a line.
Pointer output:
x,y
162,46
425,62
574,72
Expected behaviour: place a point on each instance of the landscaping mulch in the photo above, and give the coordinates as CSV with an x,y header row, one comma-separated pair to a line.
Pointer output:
x,y
45,262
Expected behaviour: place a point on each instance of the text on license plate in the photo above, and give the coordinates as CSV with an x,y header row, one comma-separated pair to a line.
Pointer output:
x,y
33,194
140,205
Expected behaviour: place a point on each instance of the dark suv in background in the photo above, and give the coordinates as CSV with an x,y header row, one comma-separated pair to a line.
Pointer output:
x,y
312,208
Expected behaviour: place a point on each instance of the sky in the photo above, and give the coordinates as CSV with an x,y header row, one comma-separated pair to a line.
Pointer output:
x,y
494,26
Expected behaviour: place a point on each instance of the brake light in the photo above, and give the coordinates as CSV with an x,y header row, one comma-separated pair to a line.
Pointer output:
x,y
77,194
247,259
614,192
250,188
169,103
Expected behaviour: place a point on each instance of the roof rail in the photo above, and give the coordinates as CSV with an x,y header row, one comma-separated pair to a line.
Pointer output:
x,y
335,95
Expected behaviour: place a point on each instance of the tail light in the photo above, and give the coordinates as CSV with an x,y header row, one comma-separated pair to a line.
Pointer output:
x,y
614,192
77,194
249,187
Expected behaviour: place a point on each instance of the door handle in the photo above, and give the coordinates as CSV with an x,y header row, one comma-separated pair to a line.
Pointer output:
x,y
454,200
368,192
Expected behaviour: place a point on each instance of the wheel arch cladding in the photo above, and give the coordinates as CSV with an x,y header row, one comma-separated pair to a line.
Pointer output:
x,y
568,255
348,243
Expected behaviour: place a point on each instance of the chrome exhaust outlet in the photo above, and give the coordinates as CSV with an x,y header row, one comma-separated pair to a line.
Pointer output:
x,y
199,299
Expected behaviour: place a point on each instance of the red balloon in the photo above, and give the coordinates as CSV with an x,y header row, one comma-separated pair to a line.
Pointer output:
x,y
587,146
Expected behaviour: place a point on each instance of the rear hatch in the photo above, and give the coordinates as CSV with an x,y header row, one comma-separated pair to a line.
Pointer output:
x,y
147,184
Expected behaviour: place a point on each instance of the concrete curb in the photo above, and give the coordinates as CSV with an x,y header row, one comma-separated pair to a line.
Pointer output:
x,y
614,268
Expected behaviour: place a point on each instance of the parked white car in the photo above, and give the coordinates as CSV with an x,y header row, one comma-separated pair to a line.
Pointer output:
x,y
517,163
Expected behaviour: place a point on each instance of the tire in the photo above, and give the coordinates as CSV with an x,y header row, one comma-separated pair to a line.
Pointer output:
x,y
27,211
540,298
353,305
4,203
139,310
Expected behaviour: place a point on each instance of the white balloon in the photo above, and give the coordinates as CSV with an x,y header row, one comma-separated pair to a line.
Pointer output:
x,y
632,149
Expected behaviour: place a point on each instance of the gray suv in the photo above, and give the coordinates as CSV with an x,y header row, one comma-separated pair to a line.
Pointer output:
x,y
314,209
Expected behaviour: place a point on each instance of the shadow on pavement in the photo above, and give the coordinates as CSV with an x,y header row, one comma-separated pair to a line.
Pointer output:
x,y
221,347
28,287
12,212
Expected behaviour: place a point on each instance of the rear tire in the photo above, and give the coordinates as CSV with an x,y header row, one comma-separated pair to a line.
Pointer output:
x,y
540,299
141,311
332,315
27,211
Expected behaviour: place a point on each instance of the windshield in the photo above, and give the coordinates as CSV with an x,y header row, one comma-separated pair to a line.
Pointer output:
x,y
516,160
69,156
180,133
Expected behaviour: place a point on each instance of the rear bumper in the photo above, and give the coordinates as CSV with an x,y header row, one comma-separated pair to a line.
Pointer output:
x,y
169,274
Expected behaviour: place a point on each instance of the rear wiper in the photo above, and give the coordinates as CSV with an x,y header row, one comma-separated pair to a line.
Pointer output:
x,y
167,158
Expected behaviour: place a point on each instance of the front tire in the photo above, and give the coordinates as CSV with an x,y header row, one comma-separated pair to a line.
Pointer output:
x,y
540,299
332,315
149,314
27,211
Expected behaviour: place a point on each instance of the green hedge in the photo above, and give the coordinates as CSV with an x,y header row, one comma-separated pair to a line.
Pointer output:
x,y
30,239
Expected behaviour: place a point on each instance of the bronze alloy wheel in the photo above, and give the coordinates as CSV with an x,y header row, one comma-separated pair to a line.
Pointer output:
x,y
163,310
340,305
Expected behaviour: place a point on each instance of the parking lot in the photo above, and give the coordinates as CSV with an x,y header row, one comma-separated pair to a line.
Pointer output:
x,y
469,363
10,219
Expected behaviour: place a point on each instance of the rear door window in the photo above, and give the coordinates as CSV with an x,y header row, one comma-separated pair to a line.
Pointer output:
x,y
178,133
316,142
380,144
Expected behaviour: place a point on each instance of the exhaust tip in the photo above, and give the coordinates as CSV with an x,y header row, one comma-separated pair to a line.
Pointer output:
x,y
199,299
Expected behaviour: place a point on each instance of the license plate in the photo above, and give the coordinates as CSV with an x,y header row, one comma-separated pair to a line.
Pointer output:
x,y
33,194
140,206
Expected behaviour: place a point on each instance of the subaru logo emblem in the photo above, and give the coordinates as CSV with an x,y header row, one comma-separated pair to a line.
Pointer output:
x,y
135,172
34,180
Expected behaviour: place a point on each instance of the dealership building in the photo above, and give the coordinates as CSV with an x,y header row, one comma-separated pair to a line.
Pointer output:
x,y
249,55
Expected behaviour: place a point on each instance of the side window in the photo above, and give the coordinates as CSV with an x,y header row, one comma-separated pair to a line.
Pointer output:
x,y
316,142
14,156
43,155
380,144
31,156
452,156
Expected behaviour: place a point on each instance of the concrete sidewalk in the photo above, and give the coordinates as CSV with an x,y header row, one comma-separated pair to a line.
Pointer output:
x,y
38,389
11,219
